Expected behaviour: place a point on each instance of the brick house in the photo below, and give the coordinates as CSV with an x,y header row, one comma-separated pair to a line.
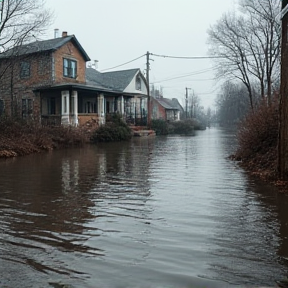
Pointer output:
x,y
166,109
46,80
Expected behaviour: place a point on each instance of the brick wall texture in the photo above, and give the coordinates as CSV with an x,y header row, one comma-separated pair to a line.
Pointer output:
x,y
46,68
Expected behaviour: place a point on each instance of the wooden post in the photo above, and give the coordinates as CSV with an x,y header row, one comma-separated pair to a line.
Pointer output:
x,y
148,91
283,104
187,101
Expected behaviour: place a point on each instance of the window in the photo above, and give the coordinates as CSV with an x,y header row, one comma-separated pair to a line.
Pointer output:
x,y
51,106
138,83
69,68
27,108
24,69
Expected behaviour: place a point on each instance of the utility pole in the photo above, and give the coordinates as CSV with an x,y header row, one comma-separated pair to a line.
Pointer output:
x,y
283,105
187,101
148,90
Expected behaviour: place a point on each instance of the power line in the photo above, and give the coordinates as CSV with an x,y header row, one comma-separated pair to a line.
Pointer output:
x,y
186,75
189,57
124,63
166,56
207,93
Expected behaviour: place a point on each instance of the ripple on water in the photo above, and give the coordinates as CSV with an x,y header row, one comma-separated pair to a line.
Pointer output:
x,y
153,212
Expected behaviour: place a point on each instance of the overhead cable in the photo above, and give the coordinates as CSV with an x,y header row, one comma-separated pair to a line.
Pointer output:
x,y
124,63
166,56
188,57
186,75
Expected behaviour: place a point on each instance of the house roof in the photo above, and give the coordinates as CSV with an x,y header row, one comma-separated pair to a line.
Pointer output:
x,y
76,86
177,104
43,46
110,82
94,77
117,80
167,103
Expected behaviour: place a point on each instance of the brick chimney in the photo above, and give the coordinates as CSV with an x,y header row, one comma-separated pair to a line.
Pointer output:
x,y
64,34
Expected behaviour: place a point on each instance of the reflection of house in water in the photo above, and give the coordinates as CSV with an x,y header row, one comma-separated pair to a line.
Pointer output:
x,y
70,175
54,202
128,164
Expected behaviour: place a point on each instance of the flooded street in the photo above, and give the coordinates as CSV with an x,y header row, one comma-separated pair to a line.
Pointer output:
x,y
154,212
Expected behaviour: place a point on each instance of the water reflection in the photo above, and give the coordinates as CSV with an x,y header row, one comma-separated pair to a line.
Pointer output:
x,y
49,204
276,216
42,215
152,212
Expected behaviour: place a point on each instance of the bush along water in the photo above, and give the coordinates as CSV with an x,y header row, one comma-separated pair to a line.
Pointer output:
x,y
257,141
19,137
115,129
162,127
159,126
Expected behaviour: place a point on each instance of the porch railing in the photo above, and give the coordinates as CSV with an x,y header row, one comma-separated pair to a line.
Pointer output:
x,y
51,120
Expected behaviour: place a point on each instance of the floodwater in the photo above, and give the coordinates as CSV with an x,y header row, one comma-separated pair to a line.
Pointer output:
x,y
153,212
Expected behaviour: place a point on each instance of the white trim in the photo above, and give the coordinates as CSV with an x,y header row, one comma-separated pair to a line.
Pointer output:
x,y
65,119
74,99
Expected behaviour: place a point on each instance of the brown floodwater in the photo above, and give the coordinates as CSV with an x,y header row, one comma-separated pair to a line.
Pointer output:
x,y
153,212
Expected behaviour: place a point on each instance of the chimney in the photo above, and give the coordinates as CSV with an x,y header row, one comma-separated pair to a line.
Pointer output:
x,y
64,34
56,33
96,64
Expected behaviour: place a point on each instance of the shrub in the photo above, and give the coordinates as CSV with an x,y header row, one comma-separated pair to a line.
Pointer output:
x,y
18,137
115,129
185,127
159,126
257,139
162,127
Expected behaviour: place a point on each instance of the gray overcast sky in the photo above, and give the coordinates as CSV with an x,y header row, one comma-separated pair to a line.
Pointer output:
x,y
117,31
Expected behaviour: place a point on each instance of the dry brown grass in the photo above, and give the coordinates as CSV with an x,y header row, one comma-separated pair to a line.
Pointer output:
x,y
18,138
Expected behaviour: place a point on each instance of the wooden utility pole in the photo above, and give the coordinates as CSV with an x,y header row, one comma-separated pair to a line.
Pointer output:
x,y
283,105
148,90
187,101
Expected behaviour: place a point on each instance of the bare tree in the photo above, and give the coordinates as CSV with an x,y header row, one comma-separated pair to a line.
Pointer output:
x,y
247,45
193,104
265,26
21,21
232,103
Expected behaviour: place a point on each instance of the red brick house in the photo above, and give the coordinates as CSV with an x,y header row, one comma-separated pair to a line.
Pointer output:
x,y
166,109
48,80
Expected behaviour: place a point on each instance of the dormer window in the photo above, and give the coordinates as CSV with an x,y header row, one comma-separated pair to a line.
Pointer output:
x,y
138,83
69,68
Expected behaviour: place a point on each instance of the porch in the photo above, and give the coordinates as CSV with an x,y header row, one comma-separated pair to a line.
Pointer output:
x,y
77,106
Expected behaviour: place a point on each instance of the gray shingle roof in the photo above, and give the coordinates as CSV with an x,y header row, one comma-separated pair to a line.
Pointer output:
x,y
93,77
176,104
43,46
117,80
167,104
